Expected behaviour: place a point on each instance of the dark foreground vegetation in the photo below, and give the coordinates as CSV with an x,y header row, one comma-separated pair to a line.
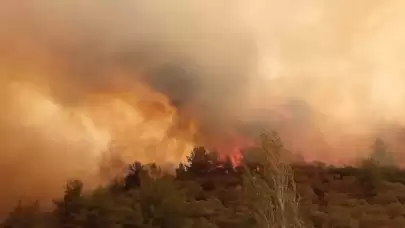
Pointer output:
x,y
209,193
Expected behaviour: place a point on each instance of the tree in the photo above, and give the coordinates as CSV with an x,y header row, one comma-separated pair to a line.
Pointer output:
x,y
253,158
23,216
181,171
228,165
380,155
272,193
104,209
213,157
132,179
199,161
162,203
69,209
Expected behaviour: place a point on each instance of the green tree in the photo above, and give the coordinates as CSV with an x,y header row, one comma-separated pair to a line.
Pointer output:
x,y
162,203
106,210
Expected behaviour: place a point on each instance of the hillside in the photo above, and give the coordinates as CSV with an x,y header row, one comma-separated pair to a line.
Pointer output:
x,y
208,192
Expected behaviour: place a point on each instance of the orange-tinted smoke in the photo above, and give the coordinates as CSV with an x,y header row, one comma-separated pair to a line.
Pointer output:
x,y
76,88
54,129
74,95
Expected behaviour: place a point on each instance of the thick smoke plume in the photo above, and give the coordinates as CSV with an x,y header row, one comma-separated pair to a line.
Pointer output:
x,y
85,83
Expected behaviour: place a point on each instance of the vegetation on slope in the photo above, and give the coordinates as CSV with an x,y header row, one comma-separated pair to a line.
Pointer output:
x,y
208,192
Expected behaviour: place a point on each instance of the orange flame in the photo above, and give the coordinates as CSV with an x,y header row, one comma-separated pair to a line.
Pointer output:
x,y
232,147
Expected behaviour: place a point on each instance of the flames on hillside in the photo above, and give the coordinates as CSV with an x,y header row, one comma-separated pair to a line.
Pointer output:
x,y
115,113
90,129
87,87
123,118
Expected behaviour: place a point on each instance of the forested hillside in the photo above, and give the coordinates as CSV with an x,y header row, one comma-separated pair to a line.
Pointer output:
x,y
210,192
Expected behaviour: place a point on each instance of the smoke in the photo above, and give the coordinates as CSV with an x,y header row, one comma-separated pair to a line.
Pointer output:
x,y
87,83
89,86
342,61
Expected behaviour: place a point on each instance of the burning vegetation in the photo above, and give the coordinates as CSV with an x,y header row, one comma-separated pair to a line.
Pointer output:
x,y
88,88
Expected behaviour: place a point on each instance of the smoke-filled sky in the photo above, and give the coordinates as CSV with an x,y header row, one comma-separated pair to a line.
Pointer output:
x,y
84,81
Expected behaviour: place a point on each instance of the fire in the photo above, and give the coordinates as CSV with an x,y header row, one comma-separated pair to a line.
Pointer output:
x,y
53,121
142,123
232,147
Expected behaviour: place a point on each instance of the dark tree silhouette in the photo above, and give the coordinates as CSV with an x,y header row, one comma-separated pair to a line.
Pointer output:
x,y
181,171
23,216
199,161
380,155
68,209
214,158
133,179
228,165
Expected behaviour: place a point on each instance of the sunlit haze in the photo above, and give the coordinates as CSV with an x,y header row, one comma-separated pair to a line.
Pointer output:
x,y
83,83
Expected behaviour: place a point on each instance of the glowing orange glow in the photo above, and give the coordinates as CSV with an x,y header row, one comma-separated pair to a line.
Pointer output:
x,y
73,91
232,147
52,124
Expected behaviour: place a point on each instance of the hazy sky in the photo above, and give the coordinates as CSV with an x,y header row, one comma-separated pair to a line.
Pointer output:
x,y
147,80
